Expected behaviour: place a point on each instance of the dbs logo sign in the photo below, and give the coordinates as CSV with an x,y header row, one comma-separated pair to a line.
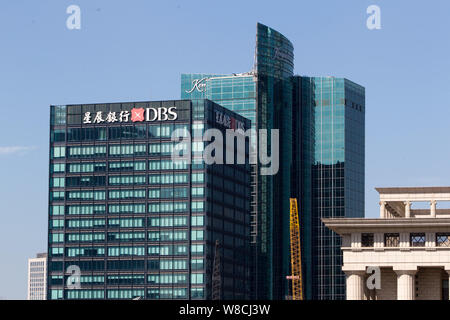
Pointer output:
x,y
161,114
153,114
137,114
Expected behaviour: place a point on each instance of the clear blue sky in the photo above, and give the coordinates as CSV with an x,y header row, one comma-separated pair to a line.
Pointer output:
x,y
136,50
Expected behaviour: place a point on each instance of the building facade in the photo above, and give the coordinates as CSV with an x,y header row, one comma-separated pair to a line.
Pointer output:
x,y
264,96
322,149
331,160
126,222
37,277
406,251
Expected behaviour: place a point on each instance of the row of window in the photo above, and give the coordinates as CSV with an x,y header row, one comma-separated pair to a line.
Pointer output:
x,y
123,166
125,251
156,265
121,150
415,240
116,133
99,181
153,236
169,207
159,293
180,221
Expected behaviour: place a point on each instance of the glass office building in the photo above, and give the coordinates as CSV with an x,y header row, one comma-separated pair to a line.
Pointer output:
x,y
132,221
321,123
331,136
263,95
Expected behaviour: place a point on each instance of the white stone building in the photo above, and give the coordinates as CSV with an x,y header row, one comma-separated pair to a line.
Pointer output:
x,y
37,277
410,248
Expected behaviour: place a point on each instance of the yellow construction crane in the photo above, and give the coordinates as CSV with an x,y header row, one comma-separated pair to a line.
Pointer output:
x,y
296,255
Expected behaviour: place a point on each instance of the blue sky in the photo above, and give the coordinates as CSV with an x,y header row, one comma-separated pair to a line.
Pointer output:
x,y
137,49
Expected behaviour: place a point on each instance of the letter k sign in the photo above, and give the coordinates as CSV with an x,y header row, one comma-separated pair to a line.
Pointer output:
x,y
137,114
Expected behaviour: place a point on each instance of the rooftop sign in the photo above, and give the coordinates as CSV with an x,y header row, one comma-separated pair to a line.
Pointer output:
x,y
135,115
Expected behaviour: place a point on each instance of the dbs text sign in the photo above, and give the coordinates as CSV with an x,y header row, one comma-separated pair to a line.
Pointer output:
x,y
135,115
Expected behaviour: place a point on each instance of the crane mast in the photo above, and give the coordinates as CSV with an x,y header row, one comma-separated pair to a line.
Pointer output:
x,y
296,257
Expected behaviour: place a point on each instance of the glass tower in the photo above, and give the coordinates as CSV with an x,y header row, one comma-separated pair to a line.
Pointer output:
x,y
264,96
331,114
130,222
321,123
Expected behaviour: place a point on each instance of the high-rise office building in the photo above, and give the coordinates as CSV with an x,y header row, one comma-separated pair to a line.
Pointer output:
x,y
126,222
318,135
331,136
263,95
37,277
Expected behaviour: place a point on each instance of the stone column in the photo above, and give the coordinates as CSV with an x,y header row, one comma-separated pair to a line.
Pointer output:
x,y
433,208
355,285
406,289
407,209
383,209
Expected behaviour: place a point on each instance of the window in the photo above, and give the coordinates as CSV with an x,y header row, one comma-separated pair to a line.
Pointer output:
x,y
417,240
86,195
197,278
58,183
126,223
197,235
127,208
57,210
87,151
198,178
126,236
443,240
58,152
197,221
57,195
197,206
58,167
197,293
197,264
198,192
127,194
128,150
127,166
168,222
87,167
197,249
126,180
56,294
391,240
125,294
126,251
86,209
367,240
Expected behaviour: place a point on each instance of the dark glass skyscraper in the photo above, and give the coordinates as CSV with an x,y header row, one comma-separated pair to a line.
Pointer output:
x,y
264,96
132,221
321,123
330,152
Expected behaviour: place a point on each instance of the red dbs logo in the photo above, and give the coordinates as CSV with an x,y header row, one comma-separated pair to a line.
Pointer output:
x,y
137,114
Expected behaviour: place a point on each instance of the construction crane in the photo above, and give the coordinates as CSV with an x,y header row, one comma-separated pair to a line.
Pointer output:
x,y
216,276
296,255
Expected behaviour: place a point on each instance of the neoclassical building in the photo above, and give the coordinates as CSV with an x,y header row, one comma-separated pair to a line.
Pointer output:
x,y
409,247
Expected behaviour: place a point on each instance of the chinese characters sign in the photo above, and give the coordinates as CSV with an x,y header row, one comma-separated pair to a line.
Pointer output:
x,y
229,122
135,115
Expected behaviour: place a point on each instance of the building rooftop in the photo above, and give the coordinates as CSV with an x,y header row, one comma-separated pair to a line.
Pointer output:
x,y
413,190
